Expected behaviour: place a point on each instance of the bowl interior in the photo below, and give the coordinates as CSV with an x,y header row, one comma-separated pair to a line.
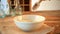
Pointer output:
x,y
32,18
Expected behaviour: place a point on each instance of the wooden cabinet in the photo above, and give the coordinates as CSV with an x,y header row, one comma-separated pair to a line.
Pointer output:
x,y
25,4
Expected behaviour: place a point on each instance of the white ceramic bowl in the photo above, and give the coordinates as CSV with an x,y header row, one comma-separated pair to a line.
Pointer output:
x,y
36,23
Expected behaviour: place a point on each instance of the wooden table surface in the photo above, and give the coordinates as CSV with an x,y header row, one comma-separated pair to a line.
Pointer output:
x,y
52,19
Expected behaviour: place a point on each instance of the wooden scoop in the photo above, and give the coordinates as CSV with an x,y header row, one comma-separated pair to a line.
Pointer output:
x,y
37,4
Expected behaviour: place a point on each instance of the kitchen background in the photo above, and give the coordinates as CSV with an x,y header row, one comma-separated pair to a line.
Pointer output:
x,y
49,9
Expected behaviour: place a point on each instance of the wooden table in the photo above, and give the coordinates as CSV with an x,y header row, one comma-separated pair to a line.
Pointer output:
x,y
52,19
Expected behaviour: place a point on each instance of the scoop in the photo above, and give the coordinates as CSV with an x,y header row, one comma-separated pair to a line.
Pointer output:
x,y
37,4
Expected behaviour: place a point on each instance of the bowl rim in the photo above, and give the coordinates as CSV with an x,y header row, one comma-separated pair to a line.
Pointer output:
x,y
15,19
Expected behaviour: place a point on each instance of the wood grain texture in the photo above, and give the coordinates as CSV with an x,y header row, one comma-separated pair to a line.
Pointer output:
x,y
52,19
